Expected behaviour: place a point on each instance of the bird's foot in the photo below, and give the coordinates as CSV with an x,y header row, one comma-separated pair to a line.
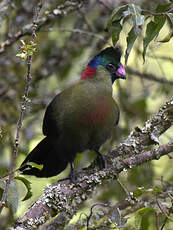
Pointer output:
x,y
72,177
73,173
101,160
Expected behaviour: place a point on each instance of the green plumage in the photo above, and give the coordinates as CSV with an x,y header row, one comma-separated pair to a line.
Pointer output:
x,y
79,118
78,111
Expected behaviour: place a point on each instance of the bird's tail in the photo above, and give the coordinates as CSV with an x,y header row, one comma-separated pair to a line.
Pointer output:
x,y
46,153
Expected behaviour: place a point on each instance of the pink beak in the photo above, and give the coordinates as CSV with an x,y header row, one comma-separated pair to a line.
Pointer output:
x,y
121,73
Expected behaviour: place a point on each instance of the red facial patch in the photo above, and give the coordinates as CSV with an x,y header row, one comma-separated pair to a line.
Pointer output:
x,y
88,72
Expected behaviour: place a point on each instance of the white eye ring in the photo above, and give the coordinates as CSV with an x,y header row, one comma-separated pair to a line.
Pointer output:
x,y
110,66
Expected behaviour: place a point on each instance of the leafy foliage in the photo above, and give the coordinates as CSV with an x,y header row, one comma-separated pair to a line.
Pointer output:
x,y
26,50
12,197
140,19
141,190
27,184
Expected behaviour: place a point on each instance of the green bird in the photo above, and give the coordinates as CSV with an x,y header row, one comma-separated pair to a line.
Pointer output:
x,y
80,118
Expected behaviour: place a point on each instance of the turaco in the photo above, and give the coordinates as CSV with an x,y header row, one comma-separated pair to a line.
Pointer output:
x,y
80,118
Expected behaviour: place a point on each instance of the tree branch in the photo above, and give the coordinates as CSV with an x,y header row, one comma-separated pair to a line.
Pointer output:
x,y
65,197
149,134
22,109
76,31
50,17
149,77
110,214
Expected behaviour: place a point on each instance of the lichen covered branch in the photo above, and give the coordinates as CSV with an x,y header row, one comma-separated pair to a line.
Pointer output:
x,y
50,17
149,134
22,109
65,197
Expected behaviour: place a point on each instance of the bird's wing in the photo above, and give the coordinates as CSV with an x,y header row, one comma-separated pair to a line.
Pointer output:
x,y
49,121
117,112
55,111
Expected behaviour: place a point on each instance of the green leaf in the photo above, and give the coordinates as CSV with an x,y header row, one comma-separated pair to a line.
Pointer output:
x,y
130,42
30,46
138,220
116,15
156,189
12,196
23,56
152,190
27,184
139,216
137,18
163,7
169,17
144,210
1,188
35,165
153,29
116,32
138,192
167,38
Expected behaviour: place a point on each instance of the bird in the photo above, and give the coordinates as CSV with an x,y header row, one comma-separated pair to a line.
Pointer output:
x,y
81,117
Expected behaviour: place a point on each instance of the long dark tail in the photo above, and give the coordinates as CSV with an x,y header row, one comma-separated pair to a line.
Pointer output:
x,y
47,154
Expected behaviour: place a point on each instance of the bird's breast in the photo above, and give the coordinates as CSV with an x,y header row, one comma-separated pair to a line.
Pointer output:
x,y
100,111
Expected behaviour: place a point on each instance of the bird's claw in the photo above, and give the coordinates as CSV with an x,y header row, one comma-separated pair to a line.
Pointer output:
x,y
101,160
72,177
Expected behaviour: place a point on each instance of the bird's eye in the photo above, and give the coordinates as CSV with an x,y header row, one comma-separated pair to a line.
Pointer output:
x,y
110,67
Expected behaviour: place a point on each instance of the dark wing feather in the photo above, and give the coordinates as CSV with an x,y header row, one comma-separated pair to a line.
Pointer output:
x,y
50,126
117,112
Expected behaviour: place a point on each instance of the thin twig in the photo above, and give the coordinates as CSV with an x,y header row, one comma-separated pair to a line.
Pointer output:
x,y
130,197
16,170
163,211
102,3
148,12
150,77
75,31
84,18
43,21
165,58
157,221
164,223
22,109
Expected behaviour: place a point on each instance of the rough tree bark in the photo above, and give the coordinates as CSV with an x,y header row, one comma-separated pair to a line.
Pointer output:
x,y
64,198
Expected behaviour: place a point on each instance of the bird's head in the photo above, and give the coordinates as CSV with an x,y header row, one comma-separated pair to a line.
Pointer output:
x,y
109,58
